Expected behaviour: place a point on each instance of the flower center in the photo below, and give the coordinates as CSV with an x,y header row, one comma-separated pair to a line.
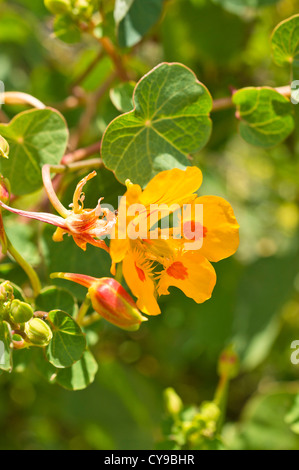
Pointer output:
x,y
178,271
140,273
192,230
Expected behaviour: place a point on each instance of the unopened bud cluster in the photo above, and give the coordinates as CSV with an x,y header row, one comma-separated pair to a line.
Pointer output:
x,y
20,312
6,298
38,332
82,8
20,315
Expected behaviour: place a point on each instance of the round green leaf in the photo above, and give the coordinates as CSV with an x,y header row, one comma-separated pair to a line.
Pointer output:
x,y
53,297
80,375
121,9
265,115
134,18
285,41
121,96
170,119
68,343
35,137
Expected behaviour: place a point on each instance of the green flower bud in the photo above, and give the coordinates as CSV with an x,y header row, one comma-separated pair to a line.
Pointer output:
x,y
6,292
4,147
58,7
20,312
84,8
173,402
228,365
38,332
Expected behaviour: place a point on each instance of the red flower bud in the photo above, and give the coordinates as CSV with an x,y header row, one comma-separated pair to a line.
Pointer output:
x,y
109,299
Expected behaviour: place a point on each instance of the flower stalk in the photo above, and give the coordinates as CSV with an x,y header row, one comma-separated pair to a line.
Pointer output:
x,y
31,273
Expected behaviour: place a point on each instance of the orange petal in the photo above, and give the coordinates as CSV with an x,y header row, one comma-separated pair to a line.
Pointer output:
x,y
138,277
190,272
221,229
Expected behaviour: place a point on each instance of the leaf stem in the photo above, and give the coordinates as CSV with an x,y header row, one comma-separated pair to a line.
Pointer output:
x,y
31,273
17,97
81,154
220,398
227,102
115,57
88,70
83,310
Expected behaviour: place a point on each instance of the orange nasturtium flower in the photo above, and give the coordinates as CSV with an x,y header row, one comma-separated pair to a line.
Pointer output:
x,y
151,266
84,225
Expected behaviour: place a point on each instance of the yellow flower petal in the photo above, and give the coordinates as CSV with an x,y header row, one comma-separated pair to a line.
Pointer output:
x,y
119,245
190,272
118,250
138,277
220,228
172,187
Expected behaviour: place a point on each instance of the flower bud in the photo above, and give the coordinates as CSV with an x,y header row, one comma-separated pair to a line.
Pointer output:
x,y
58,7
38,332
173,402
4,147
20,312
83,7
4,190
6,292
228,364
6,297
110,300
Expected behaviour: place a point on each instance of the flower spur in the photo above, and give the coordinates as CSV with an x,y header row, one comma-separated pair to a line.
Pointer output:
x,y
84,225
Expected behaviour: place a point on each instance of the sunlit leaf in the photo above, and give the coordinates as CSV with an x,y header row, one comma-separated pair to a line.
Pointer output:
x,y
80,375
285,41
121,96
134,18
266,116
68,343
56,298
169,121
35,137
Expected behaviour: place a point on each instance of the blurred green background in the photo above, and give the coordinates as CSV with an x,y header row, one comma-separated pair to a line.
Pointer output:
x,y
255,304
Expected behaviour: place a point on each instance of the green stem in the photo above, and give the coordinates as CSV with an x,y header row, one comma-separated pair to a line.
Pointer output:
x,y
83,310
220,398
33,277
91,319
78,165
